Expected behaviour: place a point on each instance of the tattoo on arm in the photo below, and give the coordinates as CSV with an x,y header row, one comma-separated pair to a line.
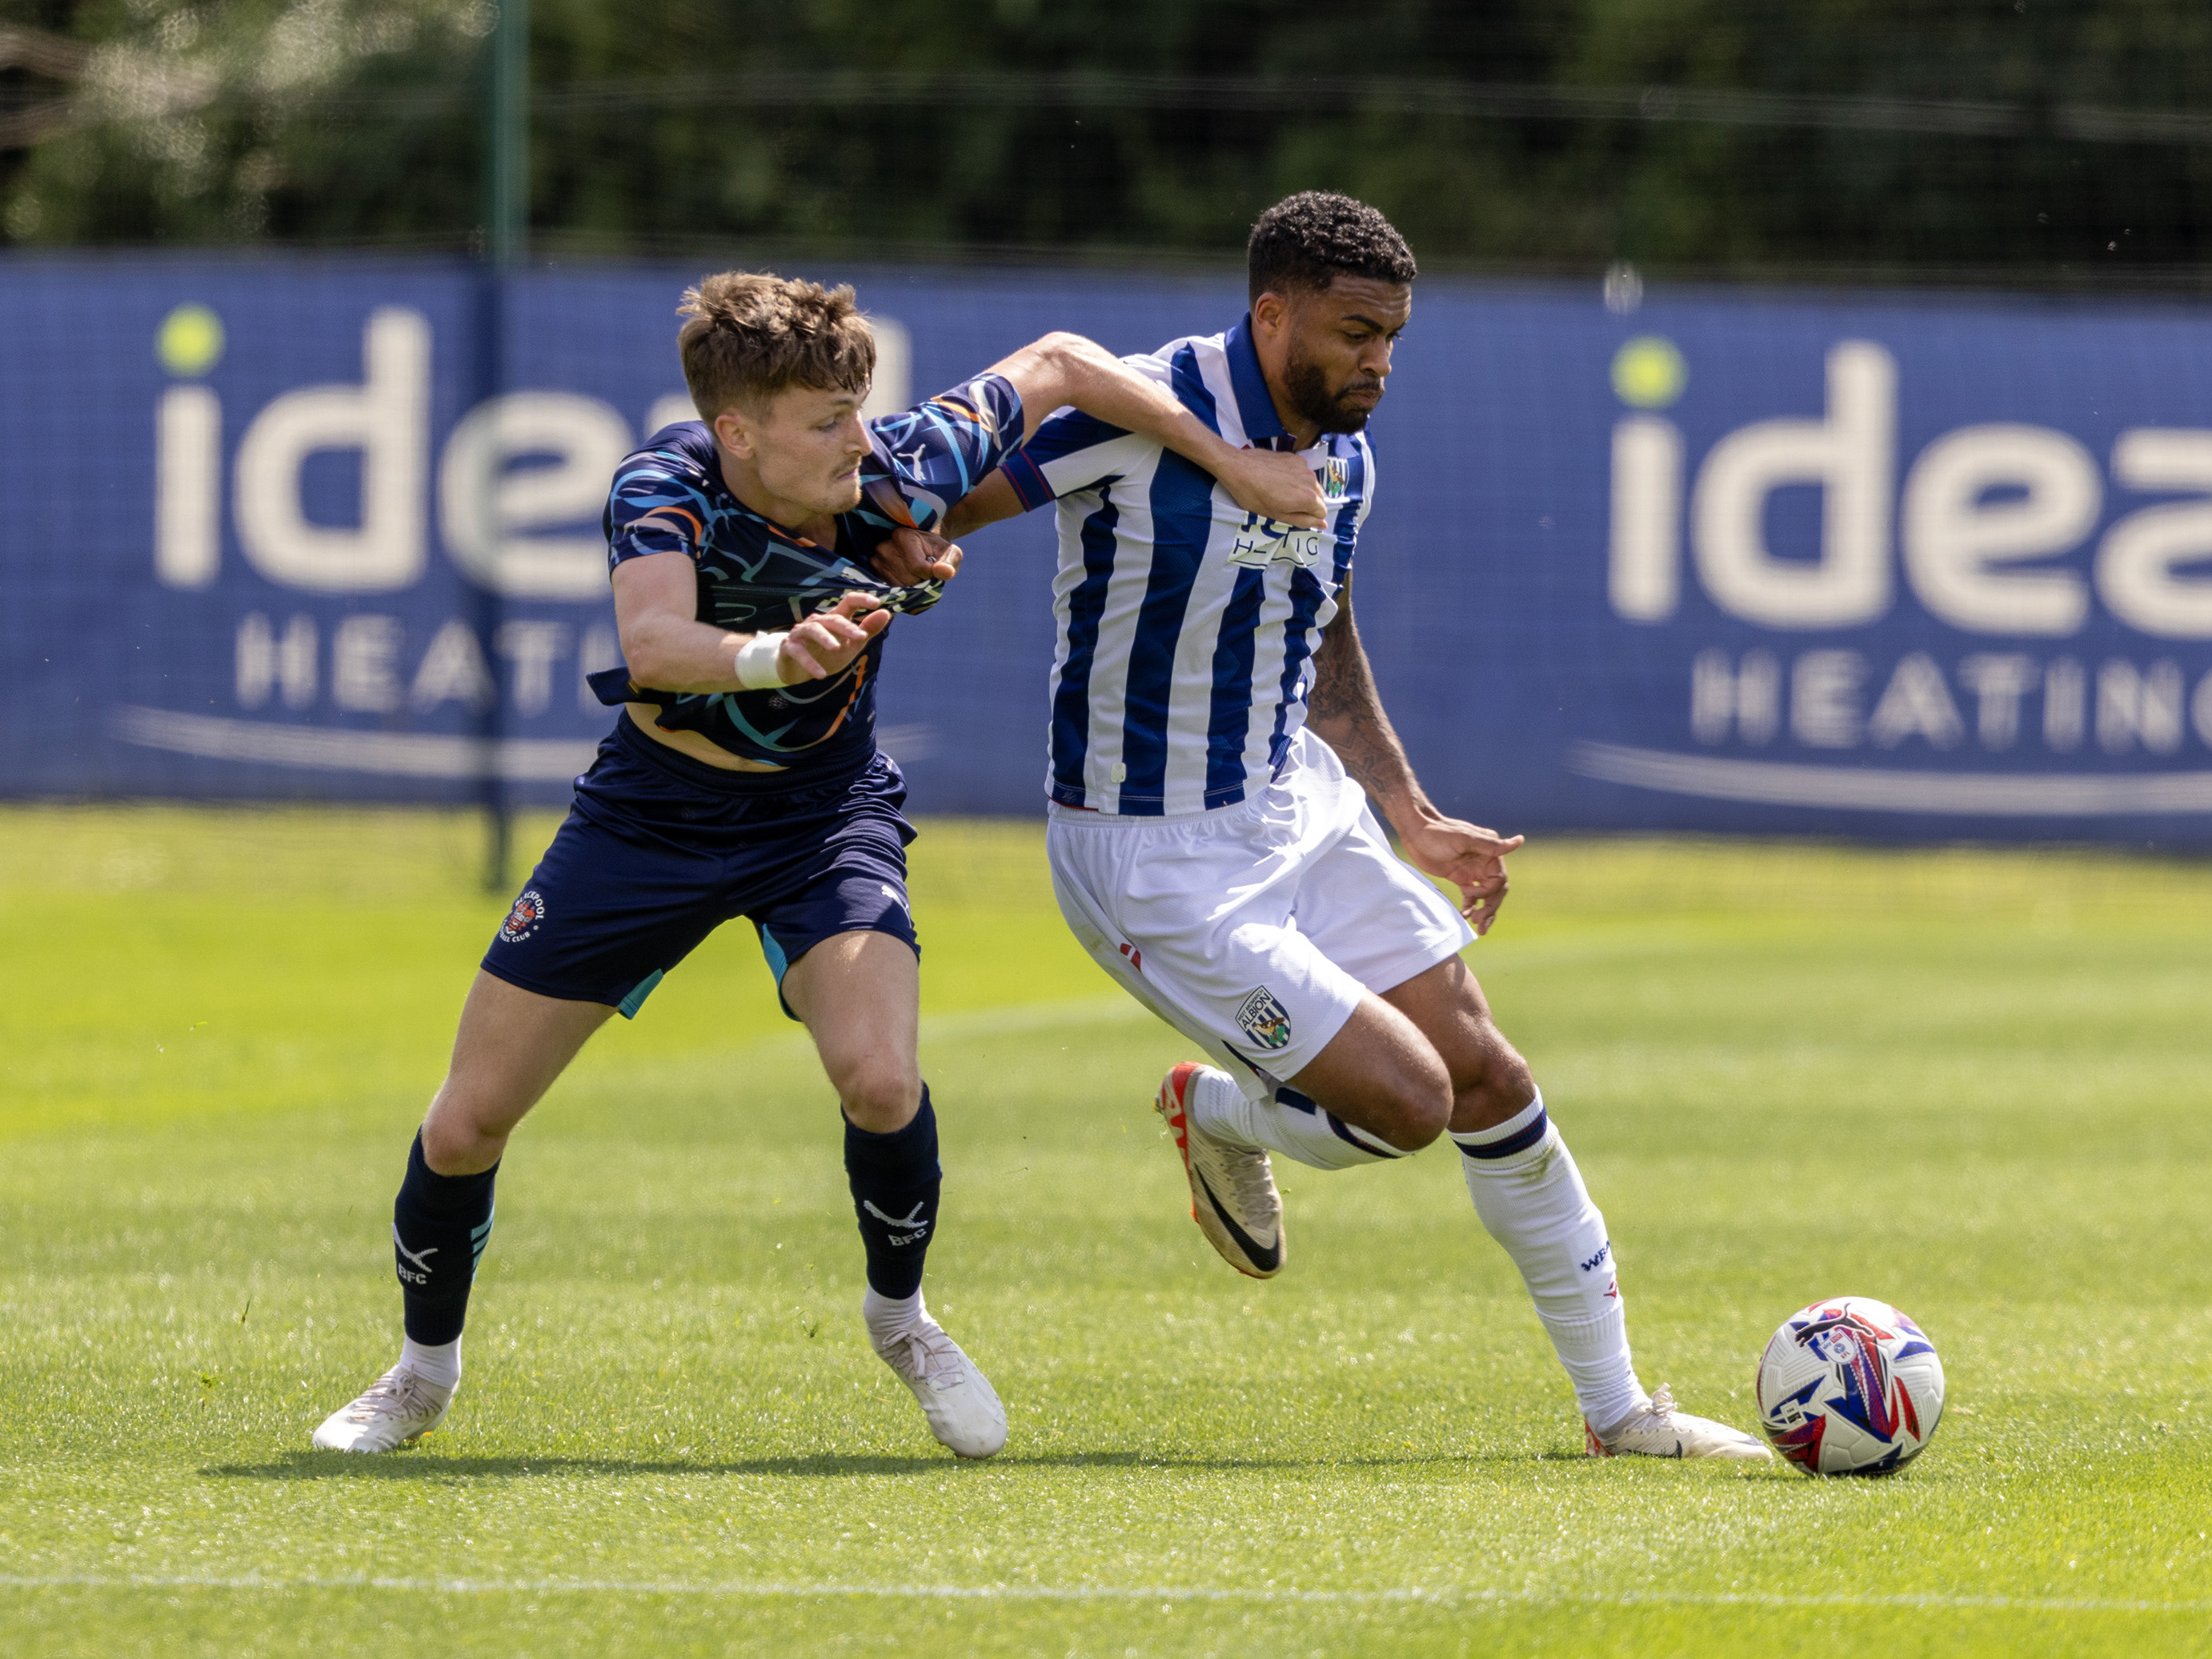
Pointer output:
x,y
1347,712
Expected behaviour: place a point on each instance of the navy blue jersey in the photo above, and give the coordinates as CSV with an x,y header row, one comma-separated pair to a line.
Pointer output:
x,y
754,574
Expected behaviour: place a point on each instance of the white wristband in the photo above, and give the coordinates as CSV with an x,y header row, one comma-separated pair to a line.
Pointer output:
x,y
755,661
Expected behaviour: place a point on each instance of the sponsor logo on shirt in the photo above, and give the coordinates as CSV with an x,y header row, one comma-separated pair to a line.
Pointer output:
x,y
1263,542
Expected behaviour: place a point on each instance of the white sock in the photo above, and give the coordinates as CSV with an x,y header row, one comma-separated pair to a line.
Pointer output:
x,y
1532,1201
439,1366
889,1317
1296,1128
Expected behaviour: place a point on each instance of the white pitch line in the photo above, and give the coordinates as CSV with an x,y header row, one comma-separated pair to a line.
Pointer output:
x,y
1167,1593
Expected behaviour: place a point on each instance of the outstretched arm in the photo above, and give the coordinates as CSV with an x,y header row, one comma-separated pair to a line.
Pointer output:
x,y
1064,370
986,503
1346,712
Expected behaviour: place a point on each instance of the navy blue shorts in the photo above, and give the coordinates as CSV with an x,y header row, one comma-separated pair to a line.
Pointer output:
x,y
660,850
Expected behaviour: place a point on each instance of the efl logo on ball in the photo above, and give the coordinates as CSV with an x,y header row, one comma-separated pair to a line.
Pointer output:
x,y
524,918
1850,1386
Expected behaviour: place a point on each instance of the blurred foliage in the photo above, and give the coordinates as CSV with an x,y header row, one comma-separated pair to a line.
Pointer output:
x,y
1696,136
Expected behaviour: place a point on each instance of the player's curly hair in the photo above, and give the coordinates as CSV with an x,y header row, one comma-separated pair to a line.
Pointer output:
x,y
748,335
1305,241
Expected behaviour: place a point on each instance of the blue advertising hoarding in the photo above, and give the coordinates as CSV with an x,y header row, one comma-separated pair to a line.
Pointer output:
x,y
1901,567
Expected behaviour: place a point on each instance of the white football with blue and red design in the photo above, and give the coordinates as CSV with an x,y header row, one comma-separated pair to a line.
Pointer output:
x,y
1850,1386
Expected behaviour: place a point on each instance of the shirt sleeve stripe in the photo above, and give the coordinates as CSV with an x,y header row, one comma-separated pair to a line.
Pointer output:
x,y
1030,487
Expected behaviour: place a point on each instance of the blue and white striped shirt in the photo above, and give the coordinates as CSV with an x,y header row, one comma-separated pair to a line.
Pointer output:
x,y
1187,625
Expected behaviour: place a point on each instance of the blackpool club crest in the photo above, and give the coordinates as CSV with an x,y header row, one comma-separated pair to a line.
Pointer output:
x,y
523,919
1265,1020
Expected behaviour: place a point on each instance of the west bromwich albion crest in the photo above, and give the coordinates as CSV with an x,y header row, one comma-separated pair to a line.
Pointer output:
x,y
1265,1020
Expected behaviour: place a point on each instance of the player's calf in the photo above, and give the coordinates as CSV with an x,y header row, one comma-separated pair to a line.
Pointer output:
x,y
439,1226
895,1180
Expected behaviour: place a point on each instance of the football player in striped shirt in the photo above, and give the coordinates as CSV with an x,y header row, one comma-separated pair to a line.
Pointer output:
x,y
1215,738
758,556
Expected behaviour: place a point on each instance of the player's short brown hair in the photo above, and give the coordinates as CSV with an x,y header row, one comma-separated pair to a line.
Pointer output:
x,y
748,335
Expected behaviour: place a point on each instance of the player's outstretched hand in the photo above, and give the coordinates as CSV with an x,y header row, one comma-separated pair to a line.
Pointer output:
x,y
1469,857
826,643
916,556
1275,486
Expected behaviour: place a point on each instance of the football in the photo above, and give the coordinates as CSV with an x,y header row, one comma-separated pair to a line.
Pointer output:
x,y
1850,1386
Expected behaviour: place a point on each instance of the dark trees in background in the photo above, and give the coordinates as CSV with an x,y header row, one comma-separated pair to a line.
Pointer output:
x,y
2054,141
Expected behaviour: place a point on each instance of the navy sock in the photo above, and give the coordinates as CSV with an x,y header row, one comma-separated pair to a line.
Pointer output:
x,y
439,1226
894,1179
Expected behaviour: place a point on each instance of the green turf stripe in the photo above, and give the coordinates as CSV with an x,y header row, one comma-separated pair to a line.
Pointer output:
x,y
1446,1597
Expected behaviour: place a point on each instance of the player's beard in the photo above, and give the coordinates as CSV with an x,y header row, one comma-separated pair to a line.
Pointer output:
x,y
1306,384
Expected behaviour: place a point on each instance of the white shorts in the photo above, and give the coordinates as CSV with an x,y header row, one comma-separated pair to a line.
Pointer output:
x,y
1253,929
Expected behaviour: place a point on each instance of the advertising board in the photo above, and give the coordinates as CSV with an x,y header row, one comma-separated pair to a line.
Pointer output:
x,y
1904,566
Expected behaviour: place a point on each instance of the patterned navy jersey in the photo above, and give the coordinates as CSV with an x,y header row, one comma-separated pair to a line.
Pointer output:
x,y
753,574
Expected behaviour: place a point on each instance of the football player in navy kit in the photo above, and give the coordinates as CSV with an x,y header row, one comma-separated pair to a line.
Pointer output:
x,y
759,554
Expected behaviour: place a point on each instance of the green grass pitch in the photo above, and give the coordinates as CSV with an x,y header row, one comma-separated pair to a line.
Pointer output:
x,y
1973,1083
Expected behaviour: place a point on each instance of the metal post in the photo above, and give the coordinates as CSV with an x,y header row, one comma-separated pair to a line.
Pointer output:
x,y
507,148
506,244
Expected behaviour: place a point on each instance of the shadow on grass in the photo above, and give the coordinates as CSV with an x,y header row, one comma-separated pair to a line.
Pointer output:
x,y
423,1465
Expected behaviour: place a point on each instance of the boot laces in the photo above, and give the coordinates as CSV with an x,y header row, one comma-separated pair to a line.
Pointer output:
x,y
1249,1172
923,1351
397,1394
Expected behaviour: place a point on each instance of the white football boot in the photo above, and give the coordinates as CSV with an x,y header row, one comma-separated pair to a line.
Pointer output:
x,y
398,1409
958,1400
1657,1429
1232,1189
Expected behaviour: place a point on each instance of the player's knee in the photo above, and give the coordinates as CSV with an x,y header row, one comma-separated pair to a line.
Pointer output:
x,y
1498,1088
454,1142
1418,1104
879,1096
1505,1077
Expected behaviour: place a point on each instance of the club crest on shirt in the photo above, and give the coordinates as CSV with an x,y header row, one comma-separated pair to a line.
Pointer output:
x,y
1265,1020
1335,478
524,918
1263,542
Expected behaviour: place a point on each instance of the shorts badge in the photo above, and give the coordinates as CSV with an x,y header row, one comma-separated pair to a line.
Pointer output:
x,y
1265,1020
523,919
